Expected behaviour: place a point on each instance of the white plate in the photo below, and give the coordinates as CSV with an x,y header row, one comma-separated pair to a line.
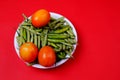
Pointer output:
x,y
54,15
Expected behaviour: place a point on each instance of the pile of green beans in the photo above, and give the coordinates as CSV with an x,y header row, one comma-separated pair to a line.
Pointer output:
x,y
57,34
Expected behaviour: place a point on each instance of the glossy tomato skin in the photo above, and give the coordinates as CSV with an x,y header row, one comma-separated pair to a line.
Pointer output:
x,y
40,18
46,56
28,52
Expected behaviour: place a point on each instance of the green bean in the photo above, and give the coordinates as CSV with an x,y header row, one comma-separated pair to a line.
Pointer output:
x,y
52,24
38,42
25,17
24,34
45,40
62,26
58,25
26,24
68,44
32,37
45,31
69,40
19,41
32,27
58,36
66,40
53,45
66,47
61,30
57,49
63,47
21,36
31,30
70,32
35,39
61,19
44,37
38,30
72,36
49,24
60,46
61,55
21,31
73,41
23,40
56,40
28,36
29,21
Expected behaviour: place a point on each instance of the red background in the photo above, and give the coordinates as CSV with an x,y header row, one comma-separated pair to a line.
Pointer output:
x,y
98,26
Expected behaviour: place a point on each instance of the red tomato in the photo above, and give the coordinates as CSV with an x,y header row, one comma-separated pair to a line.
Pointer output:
x,y
28,52
40,18
46,56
